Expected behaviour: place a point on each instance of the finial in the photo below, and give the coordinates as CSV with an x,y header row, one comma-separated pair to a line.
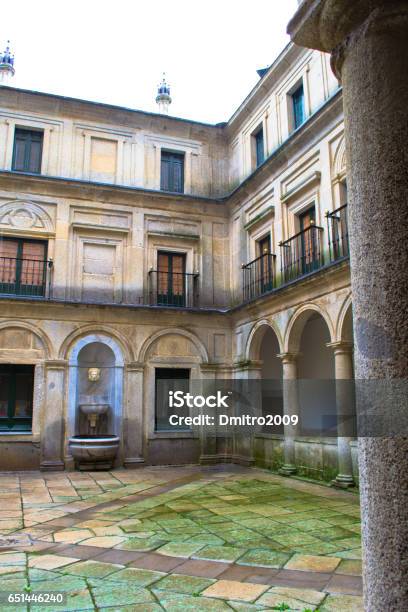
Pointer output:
x,y
6,65
163,98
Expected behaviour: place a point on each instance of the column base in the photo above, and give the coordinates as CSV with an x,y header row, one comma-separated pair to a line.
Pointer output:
x,y
288,469
343,481
214,459
52,466
132,463
242,460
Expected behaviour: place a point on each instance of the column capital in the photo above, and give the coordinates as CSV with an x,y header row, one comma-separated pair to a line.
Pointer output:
x,y
253,364
55,364
288,357
134,366
341,347
329,25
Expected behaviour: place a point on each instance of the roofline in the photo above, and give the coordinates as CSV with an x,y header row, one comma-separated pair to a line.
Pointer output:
x,y
110,106
218,200
126,188
259,83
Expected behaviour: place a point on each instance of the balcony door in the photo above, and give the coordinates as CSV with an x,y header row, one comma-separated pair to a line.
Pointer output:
x,y
308,242
265,264
171,279
23,266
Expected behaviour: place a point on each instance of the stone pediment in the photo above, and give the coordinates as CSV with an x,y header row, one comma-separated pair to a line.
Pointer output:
x,y
22,215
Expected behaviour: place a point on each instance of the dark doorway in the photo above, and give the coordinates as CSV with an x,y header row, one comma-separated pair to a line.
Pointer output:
x,y
16,397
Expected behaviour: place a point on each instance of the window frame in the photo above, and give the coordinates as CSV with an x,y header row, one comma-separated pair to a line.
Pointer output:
x,y
19,265
173,158
9,423
293,95
259,146
171,429
29,131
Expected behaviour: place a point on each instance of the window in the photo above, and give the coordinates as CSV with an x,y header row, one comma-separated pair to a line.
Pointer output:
x,y
27,152
298,102
23,266
259,147
172,172
16,397
170,379
171,279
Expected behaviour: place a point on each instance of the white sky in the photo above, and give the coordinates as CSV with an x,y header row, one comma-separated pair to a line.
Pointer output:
x,y
115,51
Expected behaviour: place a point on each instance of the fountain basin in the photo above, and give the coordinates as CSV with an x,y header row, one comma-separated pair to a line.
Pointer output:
x,y
94,452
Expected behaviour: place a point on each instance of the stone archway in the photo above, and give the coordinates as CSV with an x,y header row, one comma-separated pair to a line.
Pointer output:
x,y
95,350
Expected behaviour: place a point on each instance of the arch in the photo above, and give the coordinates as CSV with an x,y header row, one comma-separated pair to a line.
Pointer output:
x,y
346,310
73,355
107,333
39,333
25,215
256,335
149,342
297,323
339,160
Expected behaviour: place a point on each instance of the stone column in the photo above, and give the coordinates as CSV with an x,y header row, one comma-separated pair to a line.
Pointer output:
x,y
243,436
208,434
132,426
290,407
52,431
343,368
368,41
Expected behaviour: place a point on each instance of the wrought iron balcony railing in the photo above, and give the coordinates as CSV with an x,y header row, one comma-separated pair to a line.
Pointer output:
x,y
25,277
337,232
302,253
173,289
258,276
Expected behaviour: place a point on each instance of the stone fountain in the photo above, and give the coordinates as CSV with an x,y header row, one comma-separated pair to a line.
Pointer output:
x,y
93,448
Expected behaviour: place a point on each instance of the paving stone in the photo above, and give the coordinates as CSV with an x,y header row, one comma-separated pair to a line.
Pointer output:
x,y
226,554
263,558
351,585
137,576
342,603
72,535
108,594
350,567
296,599
175,602
312,563
183,584
203,569
231,589
160,563
50,561
179,549
92,569
104,542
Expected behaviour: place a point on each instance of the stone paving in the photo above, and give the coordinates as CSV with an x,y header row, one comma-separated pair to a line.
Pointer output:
x,y
174,539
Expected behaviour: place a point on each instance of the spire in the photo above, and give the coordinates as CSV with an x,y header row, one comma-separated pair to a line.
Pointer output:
x,y
6,65
163,98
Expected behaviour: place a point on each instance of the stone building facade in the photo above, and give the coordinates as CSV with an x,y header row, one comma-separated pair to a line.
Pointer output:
x,y
143,242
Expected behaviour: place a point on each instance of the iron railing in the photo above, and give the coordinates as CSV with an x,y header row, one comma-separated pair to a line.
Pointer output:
x,y
258,276
337,232
173,289
302,253
25,277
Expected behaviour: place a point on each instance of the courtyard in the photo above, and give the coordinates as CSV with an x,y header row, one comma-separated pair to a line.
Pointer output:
x,y
179,538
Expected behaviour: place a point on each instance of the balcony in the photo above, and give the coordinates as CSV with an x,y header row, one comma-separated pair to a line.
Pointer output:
x,y
25,277
177,289
337,231
258,276
302,253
